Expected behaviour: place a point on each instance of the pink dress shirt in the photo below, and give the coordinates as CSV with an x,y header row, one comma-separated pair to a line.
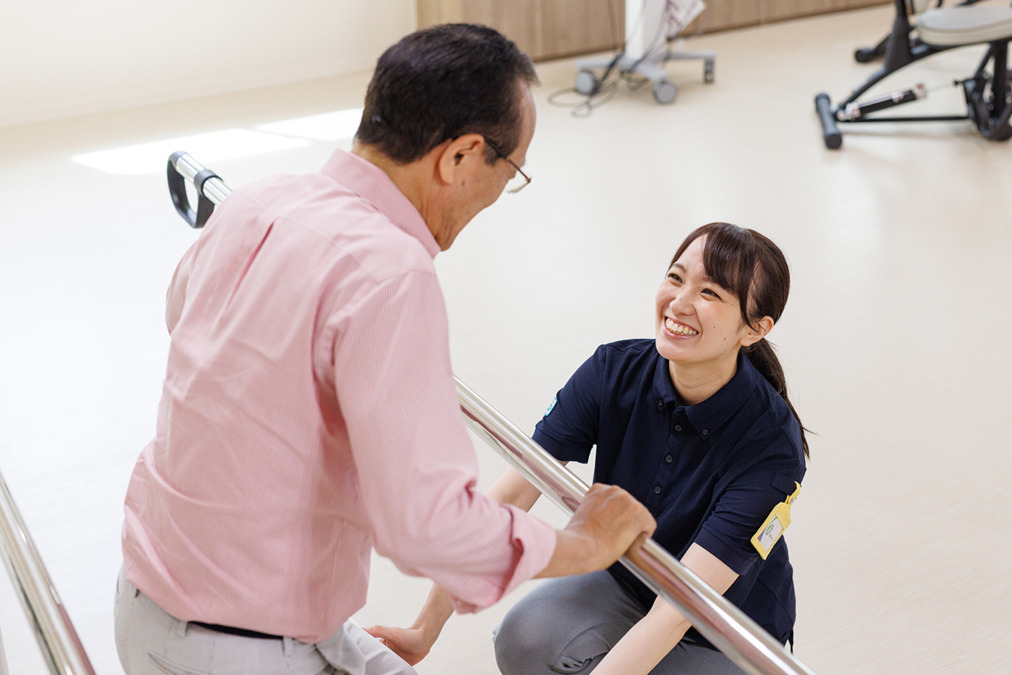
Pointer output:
x,y
308,415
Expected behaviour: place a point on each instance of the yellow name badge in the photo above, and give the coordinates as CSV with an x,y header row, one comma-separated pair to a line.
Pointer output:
x,y
773,528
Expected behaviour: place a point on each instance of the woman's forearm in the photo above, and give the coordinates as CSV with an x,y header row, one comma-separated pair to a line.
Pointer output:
x,y
646,643
436,611
512,488
663,627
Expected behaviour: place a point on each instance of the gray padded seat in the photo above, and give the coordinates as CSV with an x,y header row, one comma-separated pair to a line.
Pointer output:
x,y
955,26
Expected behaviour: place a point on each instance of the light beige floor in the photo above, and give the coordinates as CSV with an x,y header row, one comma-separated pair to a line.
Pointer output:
x,y
894,341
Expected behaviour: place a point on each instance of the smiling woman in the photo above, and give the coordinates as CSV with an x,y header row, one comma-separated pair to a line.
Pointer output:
x,y
696,424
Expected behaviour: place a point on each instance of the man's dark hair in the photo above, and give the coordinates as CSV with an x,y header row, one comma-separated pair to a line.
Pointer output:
x,y
441,83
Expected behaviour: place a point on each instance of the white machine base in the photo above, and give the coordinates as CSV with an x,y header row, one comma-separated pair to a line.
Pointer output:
x,y
665,91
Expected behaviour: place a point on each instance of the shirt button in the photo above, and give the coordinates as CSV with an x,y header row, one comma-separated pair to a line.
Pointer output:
x,y
657,489
669,459
706,431
678,427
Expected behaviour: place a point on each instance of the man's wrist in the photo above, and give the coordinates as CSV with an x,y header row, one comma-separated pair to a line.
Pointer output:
x,y
575,553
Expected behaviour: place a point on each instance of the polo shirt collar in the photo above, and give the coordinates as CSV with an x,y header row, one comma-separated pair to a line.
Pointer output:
x,y
373,185
714,412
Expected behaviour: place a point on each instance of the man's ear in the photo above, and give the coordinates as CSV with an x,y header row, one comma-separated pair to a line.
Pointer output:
x,y
454,155
755,333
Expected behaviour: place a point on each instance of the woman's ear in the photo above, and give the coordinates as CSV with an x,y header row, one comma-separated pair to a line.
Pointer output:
x,y
756,332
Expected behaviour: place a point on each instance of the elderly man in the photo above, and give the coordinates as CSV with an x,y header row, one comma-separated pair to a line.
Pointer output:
x,y
309,412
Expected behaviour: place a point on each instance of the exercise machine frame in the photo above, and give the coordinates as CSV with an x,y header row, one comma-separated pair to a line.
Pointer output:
x,y
987,94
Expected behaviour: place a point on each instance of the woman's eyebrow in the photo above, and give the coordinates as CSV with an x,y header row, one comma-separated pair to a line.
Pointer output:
x,y
681,267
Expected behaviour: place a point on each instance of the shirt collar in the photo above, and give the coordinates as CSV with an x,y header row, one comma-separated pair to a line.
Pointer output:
x,y
714,412
372,184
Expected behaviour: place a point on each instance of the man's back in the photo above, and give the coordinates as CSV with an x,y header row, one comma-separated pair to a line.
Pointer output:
x,y
251,483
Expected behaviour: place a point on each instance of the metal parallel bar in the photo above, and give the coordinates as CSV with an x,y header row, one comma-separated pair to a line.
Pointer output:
x,y
726,626
61,647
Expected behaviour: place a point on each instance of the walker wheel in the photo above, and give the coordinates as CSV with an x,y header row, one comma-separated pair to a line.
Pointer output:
x,y
665,92
586,82
708,71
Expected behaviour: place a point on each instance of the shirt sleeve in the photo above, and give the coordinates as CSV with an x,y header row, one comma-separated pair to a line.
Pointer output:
x,y
569,428
416,465
746,500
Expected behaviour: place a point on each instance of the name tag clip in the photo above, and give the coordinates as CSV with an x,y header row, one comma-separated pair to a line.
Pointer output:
x,y
773,528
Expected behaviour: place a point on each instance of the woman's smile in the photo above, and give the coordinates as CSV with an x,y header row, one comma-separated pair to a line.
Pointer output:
x,y
676,328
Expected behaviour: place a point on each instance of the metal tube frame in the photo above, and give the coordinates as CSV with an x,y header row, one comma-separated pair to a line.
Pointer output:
x,y
61,647
723,624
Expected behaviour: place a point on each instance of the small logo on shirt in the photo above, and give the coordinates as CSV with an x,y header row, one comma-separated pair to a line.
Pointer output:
x,y
551,406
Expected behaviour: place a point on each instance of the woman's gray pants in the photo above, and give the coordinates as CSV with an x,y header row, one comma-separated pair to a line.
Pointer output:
x,y
567,625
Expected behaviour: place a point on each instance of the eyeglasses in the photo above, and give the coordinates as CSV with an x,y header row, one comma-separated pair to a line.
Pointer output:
x,y
520,180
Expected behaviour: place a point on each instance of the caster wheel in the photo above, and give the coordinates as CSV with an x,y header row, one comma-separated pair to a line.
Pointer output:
x,y
708,71
665,92
586,82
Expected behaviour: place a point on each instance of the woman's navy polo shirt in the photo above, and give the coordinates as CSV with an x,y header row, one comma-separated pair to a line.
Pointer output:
x,y
709,473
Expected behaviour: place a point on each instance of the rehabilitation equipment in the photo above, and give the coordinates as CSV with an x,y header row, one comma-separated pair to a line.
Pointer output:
x,y
917,36
650,24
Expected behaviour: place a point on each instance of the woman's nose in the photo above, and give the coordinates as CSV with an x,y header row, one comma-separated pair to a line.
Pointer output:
x,y
679,304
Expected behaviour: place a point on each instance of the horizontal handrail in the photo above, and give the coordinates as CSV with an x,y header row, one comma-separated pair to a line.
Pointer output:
x,y
61,647
723,624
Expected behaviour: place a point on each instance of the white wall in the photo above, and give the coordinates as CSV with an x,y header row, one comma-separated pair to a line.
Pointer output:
x,y
60,58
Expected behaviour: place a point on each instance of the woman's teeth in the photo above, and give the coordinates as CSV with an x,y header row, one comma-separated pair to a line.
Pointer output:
x,y
678,328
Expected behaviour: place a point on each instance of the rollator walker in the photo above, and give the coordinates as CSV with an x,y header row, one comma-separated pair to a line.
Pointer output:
x,y
987,91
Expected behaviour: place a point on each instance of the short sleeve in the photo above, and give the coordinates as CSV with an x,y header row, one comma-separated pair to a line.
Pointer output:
x,y
570,426
746,500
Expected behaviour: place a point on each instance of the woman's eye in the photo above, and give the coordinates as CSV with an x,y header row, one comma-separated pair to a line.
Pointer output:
x,y
674,277
709,291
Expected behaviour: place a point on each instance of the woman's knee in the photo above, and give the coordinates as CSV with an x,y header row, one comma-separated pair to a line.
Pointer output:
x,y
524,643
545,643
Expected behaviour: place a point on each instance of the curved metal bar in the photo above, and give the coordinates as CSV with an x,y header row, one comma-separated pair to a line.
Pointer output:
x,y
723,624
61,647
